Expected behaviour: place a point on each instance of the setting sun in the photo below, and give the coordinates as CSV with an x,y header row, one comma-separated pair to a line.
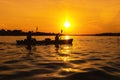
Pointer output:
x,y
67,24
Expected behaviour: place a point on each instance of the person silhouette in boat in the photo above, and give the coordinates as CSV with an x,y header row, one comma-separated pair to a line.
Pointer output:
x,y
29,36
57,38
29,39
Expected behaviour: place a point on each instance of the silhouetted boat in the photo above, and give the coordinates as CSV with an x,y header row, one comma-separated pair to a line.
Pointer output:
x,y
43,42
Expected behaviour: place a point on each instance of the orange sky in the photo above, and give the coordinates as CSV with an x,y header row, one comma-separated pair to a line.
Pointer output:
x,y
85,16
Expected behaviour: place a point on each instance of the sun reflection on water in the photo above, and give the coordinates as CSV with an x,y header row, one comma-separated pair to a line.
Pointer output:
x,y
65,58
71,70
66,37
65,53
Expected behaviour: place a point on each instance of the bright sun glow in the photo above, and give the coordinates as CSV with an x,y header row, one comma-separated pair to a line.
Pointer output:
x,y
67,24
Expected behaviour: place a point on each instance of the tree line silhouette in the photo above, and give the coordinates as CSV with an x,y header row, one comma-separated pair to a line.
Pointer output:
x,y
4,32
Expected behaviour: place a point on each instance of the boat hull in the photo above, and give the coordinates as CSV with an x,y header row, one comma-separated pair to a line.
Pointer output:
x,y
43,42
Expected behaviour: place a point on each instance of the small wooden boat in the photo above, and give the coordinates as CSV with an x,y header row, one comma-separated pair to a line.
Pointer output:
x,y
43,42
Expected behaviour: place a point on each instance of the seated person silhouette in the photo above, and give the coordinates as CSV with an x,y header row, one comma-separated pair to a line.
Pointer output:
x,y
57,38
29,38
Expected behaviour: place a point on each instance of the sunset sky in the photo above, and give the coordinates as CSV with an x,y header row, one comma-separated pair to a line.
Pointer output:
x,y
84,16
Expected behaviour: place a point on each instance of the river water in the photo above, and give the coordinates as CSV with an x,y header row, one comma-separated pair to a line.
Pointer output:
x,y
88,58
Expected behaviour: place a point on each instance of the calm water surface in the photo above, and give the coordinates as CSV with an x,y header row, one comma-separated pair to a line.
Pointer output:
x,y
88,58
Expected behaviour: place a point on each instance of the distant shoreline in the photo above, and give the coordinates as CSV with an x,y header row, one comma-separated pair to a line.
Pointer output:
x,y
21,33
62,35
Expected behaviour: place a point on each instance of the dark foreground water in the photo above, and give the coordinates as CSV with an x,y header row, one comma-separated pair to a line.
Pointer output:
x,y
89,58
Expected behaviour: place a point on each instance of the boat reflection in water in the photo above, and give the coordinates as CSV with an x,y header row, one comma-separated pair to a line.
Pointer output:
x,y
30,49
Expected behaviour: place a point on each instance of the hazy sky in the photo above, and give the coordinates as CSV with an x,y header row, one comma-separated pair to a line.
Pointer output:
x,y
85,16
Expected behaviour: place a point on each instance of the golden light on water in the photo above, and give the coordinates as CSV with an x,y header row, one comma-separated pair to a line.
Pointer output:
x,y
71,70
66,37
65,58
